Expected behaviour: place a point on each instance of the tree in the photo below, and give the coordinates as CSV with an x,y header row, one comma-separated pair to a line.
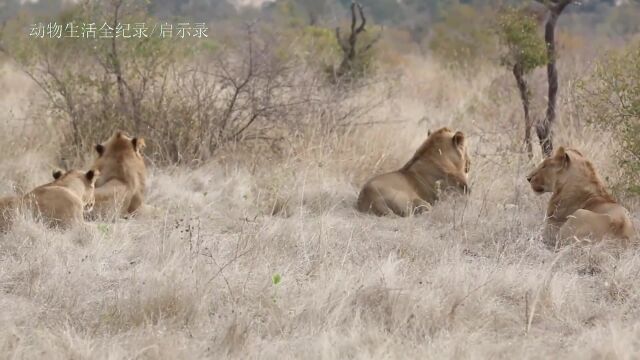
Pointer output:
x,y
610,98
382,10
351,53
543,128
525,52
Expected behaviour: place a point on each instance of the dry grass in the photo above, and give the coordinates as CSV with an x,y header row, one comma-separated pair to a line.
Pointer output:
x,y
470,279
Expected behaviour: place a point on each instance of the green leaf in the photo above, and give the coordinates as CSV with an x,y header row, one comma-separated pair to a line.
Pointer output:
x,y
276,278
103,228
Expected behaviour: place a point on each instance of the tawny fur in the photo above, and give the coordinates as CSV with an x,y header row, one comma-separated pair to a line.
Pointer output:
x,y
121,185
580,206
441,164
60,203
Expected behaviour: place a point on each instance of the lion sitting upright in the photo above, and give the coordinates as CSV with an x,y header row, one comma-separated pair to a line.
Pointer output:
x,y
60,203
440,164
580,205
121,185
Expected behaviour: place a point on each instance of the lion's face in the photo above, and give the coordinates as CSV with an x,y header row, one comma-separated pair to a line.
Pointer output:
x,y
460,155
81,183
546,175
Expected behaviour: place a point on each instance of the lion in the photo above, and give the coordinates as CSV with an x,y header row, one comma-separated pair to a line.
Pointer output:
x,y
123,174
580,205
60,203
441,164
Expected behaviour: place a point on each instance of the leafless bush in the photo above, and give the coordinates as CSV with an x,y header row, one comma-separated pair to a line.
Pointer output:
x,y
238,95
187,101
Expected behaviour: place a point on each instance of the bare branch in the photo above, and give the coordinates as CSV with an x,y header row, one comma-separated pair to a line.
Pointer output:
x,y
115,61
3,50
341,42
523,88
374,41
349,48
354,20
364,19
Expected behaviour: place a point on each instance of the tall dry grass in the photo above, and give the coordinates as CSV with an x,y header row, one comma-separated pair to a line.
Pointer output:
x,y
470,279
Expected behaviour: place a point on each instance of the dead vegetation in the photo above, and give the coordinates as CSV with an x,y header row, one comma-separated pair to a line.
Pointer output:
x,y
218,273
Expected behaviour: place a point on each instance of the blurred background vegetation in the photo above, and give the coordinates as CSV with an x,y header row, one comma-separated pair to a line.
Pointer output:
x,y
269,65
419,18
460,32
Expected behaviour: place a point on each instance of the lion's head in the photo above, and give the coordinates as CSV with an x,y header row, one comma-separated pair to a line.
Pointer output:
x,y
443,156
80,183
120,143
118,156
557,169
454,148
447,149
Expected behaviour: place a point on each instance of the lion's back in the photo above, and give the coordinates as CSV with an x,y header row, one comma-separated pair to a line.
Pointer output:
x,y
55,204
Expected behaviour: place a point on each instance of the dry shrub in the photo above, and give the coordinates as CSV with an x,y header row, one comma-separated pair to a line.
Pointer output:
x,y
188,97
611,100
469,279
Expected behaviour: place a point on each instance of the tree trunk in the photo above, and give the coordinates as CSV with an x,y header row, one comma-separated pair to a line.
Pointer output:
x,y
523,87
543,129
115,60
349,52
313,18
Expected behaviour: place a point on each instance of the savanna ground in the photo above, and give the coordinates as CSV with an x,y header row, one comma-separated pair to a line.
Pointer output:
x,y
252,255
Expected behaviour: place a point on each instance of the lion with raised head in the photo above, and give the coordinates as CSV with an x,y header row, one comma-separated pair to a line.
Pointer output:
x,y
441,164
123,174
60,203
580,205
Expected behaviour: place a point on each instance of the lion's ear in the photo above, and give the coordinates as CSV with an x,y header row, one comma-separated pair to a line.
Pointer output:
x,y
566,160
100,149
458,139
563,156
92,175
57,174
138,144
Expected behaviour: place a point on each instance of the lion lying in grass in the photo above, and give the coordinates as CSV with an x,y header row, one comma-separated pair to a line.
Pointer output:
x,y
60,203
580,206
440,164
